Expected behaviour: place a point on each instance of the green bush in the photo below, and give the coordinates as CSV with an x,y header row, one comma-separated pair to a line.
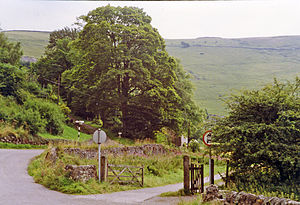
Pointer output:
x,y
260,136
36,115
49,112
194,146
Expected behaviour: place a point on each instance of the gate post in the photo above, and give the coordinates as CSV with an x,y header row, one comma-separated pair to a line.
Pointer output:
x,y
186,174
202,178
211,174
103,168
227,167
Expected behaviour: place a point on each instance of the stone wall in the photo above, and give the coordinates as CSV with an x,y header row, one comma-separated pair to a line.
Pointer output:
x,y
11,138
148,149
232,197
36,140
81,173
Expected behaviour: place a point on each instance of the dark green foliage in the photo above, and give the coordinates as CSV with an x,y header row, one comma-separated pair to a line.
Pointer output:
x,y
123,73
65,33
261,136
49,112
36,115
9,52
11,79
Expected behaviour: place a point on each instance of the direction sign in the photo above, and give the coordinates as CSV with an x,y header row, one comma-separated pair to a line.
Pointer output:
x,y
99,136
207,138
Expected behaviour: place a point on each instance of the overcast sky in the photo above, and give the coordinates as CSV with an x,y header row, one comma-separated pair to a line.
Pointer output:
x,y
173,19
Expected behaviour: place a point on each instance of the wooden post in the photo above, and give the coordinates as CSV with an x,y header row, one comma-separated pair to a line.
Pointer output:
x,y
143,176
212,177
192,178
227,167
186,174
202,178
103,168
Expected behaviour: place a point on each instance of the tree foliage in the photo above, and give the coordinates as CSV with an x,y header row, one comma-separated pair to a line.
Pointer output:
x,y
19,95
260,135
10,53
56,57
125,74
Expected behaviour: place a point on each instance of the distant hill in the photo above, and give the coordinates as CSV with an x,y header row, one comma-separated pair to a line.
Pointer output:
x,y
33,42
217,65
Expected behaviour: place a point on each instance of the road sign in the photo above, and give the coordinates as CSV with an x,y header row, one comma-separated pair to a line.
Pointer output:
x,y
99,136
207,138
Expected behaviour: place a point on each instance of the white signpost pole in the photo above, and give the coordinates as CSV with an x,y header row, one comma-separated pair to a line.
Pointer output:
x,y
99,155
99,137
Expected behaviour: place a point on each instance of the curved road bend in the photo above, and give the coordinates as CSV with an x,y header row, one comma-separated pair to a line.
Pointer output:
x,y
18,188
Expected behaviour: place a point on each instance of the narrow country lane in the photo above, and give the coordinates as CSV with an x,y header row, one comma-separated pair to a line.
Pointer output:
x,y
18,188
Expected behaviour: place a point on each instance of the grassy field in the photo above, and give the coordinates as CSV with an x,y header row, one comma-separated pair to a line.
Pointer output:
x,y
218,66
221,66
33,43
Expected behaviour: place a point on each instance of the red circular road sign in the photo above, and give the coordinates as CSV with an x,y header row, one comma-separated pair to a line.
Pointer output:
x,y
207,138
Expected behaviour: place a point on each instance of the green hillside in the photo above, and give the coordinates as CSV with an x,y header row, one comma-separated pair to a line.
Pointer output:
x,y
33,42
218,66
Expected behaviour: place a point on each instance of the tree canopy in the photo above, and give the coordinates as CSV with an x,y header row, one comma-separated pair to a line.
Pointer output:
x,y
123,73
9,52
260,136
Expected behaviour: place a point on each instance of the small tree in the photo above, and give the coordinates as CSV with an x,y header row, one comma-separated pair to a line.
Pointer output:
x,y
260,136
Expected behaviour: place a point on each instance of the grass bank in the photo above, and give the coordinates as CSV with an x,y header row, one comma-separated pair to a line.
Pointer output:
x,y
69,133
159,170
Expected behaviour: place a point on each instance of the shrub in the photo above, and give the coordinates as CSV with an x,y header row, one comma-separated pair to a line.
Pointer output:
x,y
261,136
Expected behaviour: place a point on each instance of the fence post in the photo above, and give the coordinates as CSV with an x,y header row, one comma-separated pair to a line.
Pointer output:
x,y
202,178
192,178
227,167
103,169
186,174
212,177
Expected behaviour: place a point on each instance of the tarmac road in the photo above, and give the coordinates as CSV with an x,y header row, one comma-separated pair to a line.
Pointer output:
x,y
18,188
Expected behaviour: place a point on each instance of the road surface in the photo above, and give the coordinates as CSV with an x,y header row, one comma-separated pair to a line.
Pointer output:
x,y
18,188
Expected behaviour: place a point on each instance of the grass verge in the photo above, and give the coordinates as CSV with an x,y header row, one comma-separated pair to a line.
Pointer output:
x,y
21,146
159,170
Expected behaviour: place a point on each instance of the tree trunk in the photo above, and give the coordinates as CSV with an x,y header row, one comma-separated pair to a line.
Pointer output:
x,y
124,105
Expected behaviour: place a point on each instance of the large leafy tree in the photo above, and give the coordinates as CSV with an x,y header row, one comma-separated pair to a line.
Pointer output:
x,y
56,57
125,74
261,136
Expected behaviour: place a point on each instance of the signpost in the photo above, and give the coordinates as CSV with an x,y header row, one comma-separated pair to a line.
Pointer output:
x,y
99,137
79,123
207,139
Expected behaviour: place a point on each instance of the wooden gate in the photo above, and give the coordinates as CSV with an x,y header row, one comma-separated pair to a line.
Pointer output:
x,y
197,178
124,174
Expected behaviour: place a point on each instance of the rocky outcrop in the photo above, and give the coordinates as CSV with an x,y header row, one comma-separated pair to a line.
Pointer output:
x,y
81,173
242,198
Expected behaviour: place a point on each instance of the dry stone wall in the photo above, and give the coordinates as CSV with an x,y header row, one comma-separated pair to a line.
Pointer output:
x,y
148,149
82,172
11,138
242,198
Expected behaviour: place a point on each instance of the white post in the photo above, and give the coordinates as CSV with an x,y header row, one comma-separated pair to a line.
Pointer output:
x,y
99,160
78,132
